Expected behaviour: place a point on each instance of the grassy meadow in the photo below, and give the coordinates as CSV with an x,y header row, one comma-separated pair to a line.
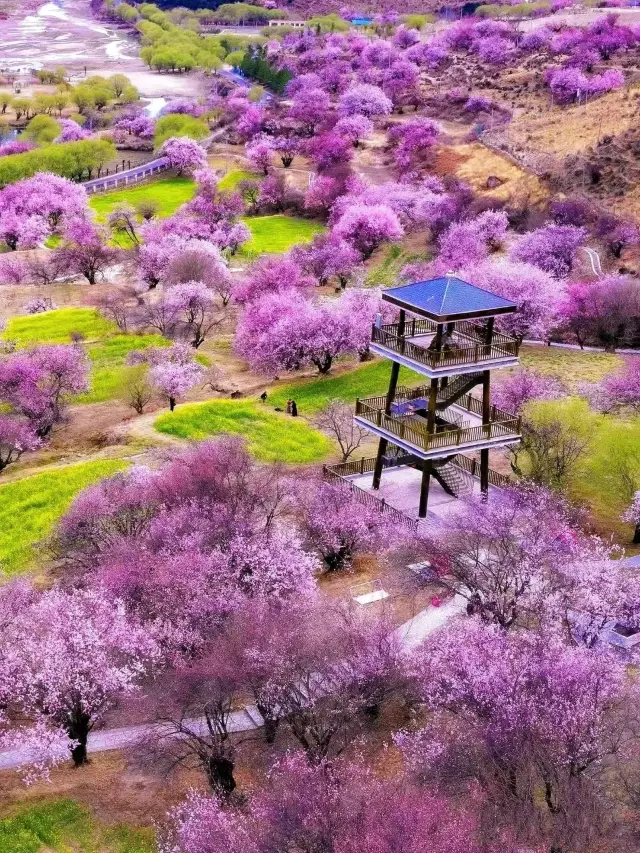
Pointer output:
x,y
167,193
105,346
65,826
271,436
365,380
30,507
58,327
278,233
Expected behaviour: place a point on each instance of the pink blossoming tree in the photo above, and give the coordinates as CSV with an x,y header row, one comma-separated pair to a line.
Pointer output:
x,y
184,154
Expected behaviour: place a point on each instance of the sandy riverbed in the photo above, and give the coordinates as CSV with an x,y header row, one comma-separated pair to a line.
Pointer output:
x,y
63,32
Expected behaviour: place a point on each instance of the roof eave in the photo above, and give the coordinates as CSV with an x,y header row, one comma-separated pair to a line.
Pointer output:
x,y
448,318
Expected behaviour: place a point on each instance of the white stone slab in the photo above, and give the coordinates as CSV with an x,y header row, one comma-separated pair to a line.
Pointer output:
x,y
370,597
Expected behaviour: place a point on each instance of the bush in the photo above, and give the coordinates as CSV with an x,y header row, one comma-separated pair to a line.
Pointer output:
x,y
176,124
256,66
69,159
42,130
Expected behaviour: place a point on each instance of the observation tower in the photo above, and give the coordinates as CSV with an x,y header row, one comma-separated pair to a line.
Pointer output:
x,y
445,332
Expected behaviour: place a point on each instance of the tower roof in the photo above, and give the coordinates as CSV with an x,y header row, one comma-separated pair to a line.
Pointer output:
x,y
448,298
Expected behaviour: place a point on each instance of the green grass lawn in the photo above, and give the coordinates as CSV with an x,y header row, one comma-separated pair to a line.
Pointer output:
x,y
231,180
599,482
366,380
53,241
275,234
109,371
570,366
168,193
272,234
30,507
56,327
385,270
271,436
63,826
106,348
606,474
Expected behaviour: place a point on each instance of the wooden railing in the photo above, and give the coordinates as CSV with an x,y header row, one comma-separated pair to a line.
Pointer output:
x,y
334,474
475,332
496,415
471,404
409,431
367,466
472,354
472,467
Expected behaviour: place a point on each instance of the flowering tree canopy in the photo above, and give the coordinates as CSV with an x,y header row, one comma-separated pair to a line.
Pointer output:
x,y
552,248
37,383
333,807
173,370
364,99
366,227
535,292
33,208
284,331
77,653
184,154
509,706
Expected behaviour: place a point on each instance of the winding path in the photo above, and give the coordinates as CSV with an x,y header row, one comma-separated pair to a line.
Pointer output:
x,y
410,634
594,259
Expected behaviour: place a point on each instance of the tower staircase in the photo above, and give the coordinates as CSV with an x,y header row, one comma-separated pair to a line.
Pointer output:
x,y
458,387
454,480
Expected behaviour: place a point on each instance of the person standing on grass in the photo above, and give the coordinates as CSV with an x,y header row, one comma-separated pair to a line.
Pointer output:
x,y
289,404
294,409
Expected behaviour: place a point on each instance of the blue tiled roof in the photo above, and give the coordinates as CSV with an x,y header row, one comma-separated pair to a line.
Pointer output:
x,y
448,297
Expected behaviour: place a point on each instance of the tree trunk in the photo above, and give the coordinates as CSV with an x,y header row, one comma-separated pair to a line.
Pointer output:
x,y
78,730
549,797
324,364
636,534
270,729
219,772
172,403
337,559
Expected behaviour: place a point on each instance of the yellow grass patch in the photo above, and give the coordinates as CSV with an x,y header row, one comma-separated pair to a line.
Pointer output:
x,y
475,163
569,130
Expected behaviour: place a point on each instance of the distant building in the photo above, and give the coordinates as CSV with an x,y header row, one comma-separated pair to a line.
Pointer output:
x,y
295,24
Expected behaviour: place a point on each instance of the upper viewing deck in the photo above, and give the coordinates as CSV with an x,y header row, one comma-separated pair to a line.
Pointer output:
x,y
413,343
453,331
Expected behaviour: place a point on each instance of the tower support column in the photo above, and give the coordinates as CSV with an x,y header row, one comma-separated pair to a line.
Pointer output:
x,y
486,420
484,473
433,403
383,443
424,488
391,393
377,471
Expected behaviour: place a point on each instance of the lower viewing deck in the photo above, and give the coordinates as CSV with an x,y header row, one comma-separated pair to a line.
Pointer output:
x,y
460,426
399,492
